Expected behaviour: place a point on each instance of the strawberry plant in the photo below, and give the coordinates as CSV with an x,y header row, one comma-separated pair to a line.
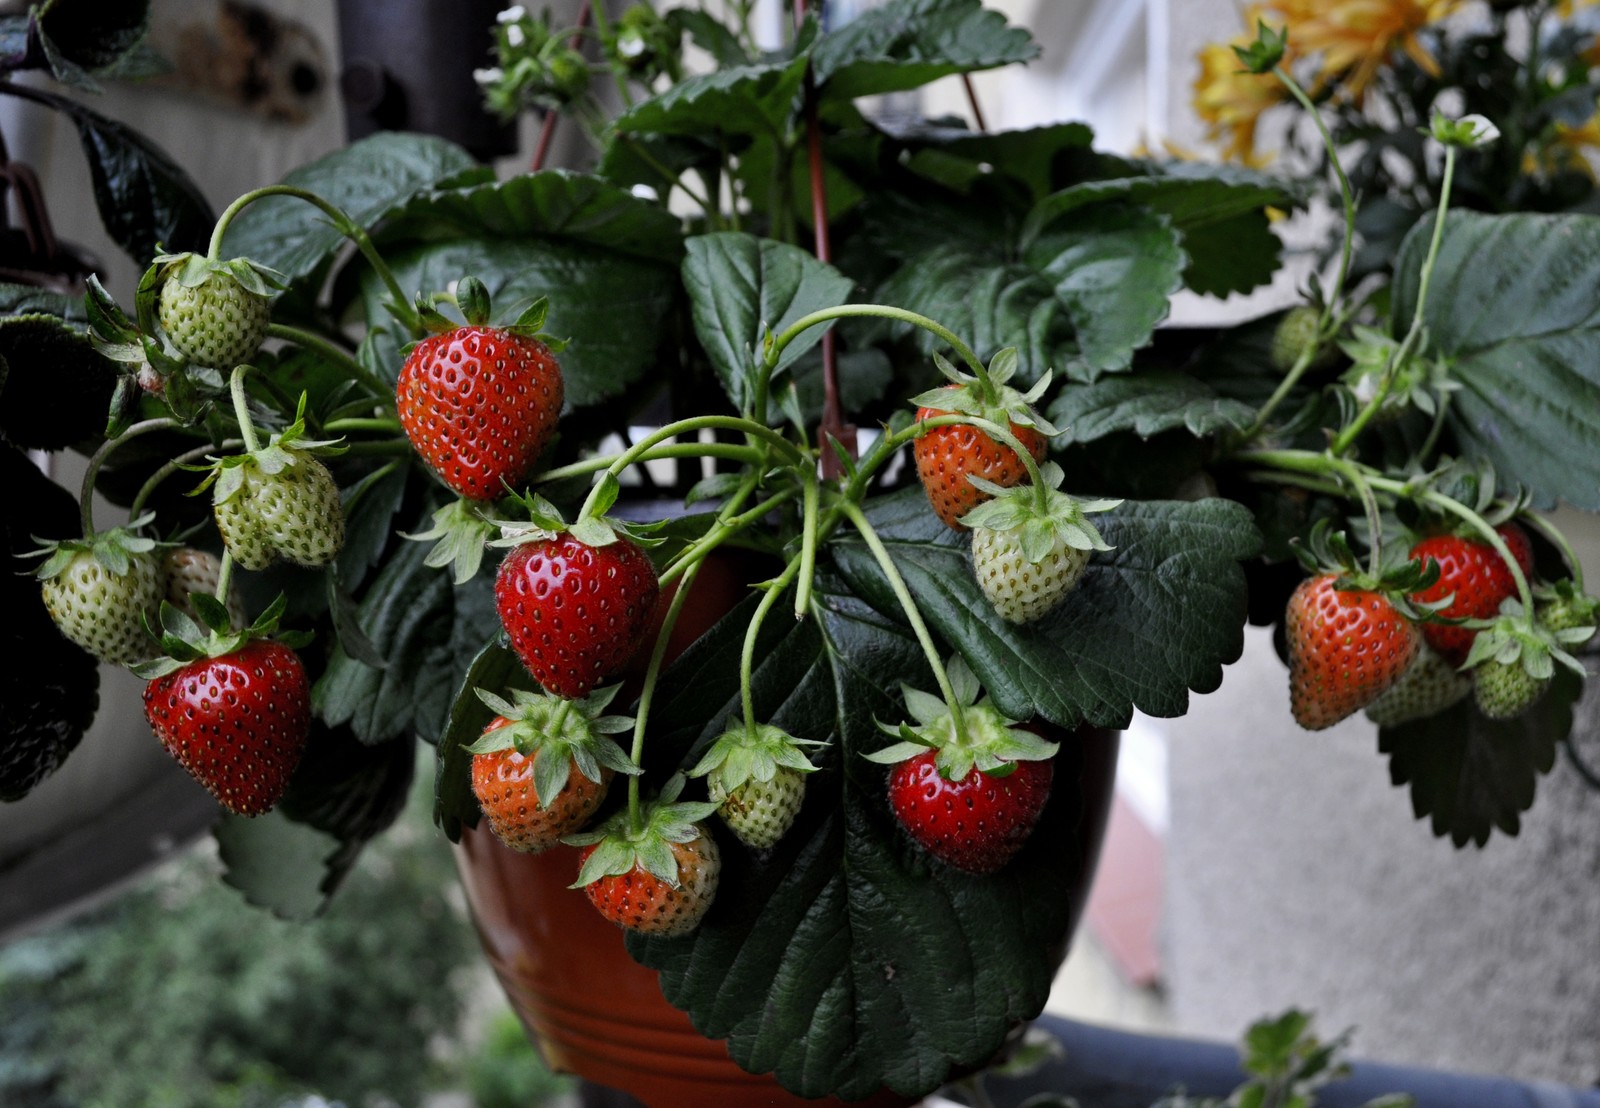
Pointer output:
x,y
991,504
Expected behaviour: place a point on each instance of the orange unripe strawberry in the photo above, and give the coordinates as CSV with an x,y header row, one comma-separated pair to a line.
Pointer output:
x,y
1346,648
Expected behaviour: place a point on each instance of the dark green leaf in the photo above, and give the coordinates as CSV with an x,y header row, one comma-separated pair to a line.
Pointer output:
x,y
369,522
55,389
276,863
1523,340
1146,404
143,196
367,180
745,100
905,44
83,37
1155,618
1469,775
1191,194
29,300
454,805
349,789
710,34
737,283
554,204
1114,267
426,628
830,961
1032,156
1231,255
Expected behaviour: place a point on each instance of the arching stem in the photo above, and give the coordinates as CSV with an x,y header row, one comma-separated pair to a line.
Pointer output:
x,y
241,409
92,472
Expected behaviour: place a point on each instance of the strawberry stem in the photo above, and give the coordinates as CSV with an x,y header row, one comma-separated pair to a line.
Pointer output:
x,y
153,482
747,655
652,674
808,545
224,576
241,409
722,529
727,450
1413,339
92,472
775,348
913,615
1568,555
349,228
336,354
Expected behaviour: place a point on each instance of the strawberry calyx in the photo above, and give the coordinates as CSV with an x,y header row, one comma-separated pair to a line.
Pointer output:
x,y
459,534
1516,637
193,270
990,397
592,528
1043,517
185,639
752,752
113,549
1563,606
283,450
978,736
471,297
567,732
621,845
1328,552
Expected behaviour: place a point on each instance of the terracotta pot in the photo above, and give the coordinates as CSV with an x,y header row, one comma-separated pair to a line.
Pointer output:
x,y
595,1012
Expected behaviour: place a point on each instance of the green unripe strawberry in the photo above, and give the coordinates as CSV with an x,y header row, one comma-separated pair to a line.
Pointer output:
x,y
1504,690
756,775
1296,331
1030,546
214,313
760,813
1427,687
289,511
99,592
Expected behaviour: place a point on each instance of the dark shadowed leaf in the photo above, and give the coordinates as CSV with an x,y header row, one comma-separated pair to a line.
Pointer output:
x,y
745,100
1146,403
905,44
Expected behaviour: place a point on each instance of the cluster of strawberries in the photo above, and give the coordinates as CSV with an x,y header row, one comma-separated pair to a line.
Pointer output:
x,y
1404,653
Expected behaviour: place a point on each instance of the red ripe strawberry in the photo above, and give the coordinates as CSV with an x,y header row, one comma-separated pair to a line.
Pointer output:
x,y
575,613
1479,579
237,722
976,824
946,456
503,783
479,404
1346,648
642,901
543,765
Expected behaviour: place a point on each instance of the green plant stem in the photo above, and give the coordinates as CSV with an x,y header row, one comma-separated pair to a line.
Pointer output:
x,y
1000,434
153,482
747,655
1408,345
913,614
224,576
693,425
776,346
652,675
345,226
719,533
381,425
1426,449
808,544
335,354
92,471
241,409
602,28
1353,475
726,450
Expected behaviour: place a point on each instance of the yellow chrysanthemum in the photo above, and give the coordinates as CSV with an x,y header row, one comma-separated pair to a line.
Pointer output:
x,y
1355,37
1566,7
1568,148
1230,101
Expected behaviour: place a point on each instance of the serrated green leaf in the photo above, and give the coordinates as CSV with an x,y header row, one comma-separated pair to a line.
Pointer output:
x,y
791,966
737,284
426,629
905,44
276,863
1469,775
55,388
368,180
1115,267
1522,341
1149,622
1146,403
743,100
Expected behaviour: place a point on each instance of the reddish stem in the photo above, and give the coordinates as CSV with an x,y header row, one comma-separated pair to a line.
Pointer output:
x,y
547,129
833,425
972,102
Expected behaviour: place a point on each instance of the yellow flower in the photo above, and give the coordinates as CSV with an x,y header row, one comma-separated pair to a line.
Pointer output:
x,y
1566,7
1230,100
1355,37
1568,148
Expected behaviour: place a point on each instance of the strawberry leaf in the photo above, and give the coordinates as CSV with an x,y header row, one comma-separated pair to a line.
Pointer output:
x,y
806,965
1153,619
905,44
739,284
1470,776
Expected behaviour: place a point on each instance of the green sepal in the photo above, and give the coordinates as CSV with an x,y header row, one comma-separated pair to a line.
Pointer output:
x,y
459,534
1010,406
619,847
113,549
531,322
1042,517
472,297
1261,55
753,753
570,731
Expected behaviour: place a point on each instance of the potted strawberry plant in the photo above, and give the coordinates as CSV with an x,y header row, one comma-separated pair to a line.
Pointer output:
x,y
499,442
